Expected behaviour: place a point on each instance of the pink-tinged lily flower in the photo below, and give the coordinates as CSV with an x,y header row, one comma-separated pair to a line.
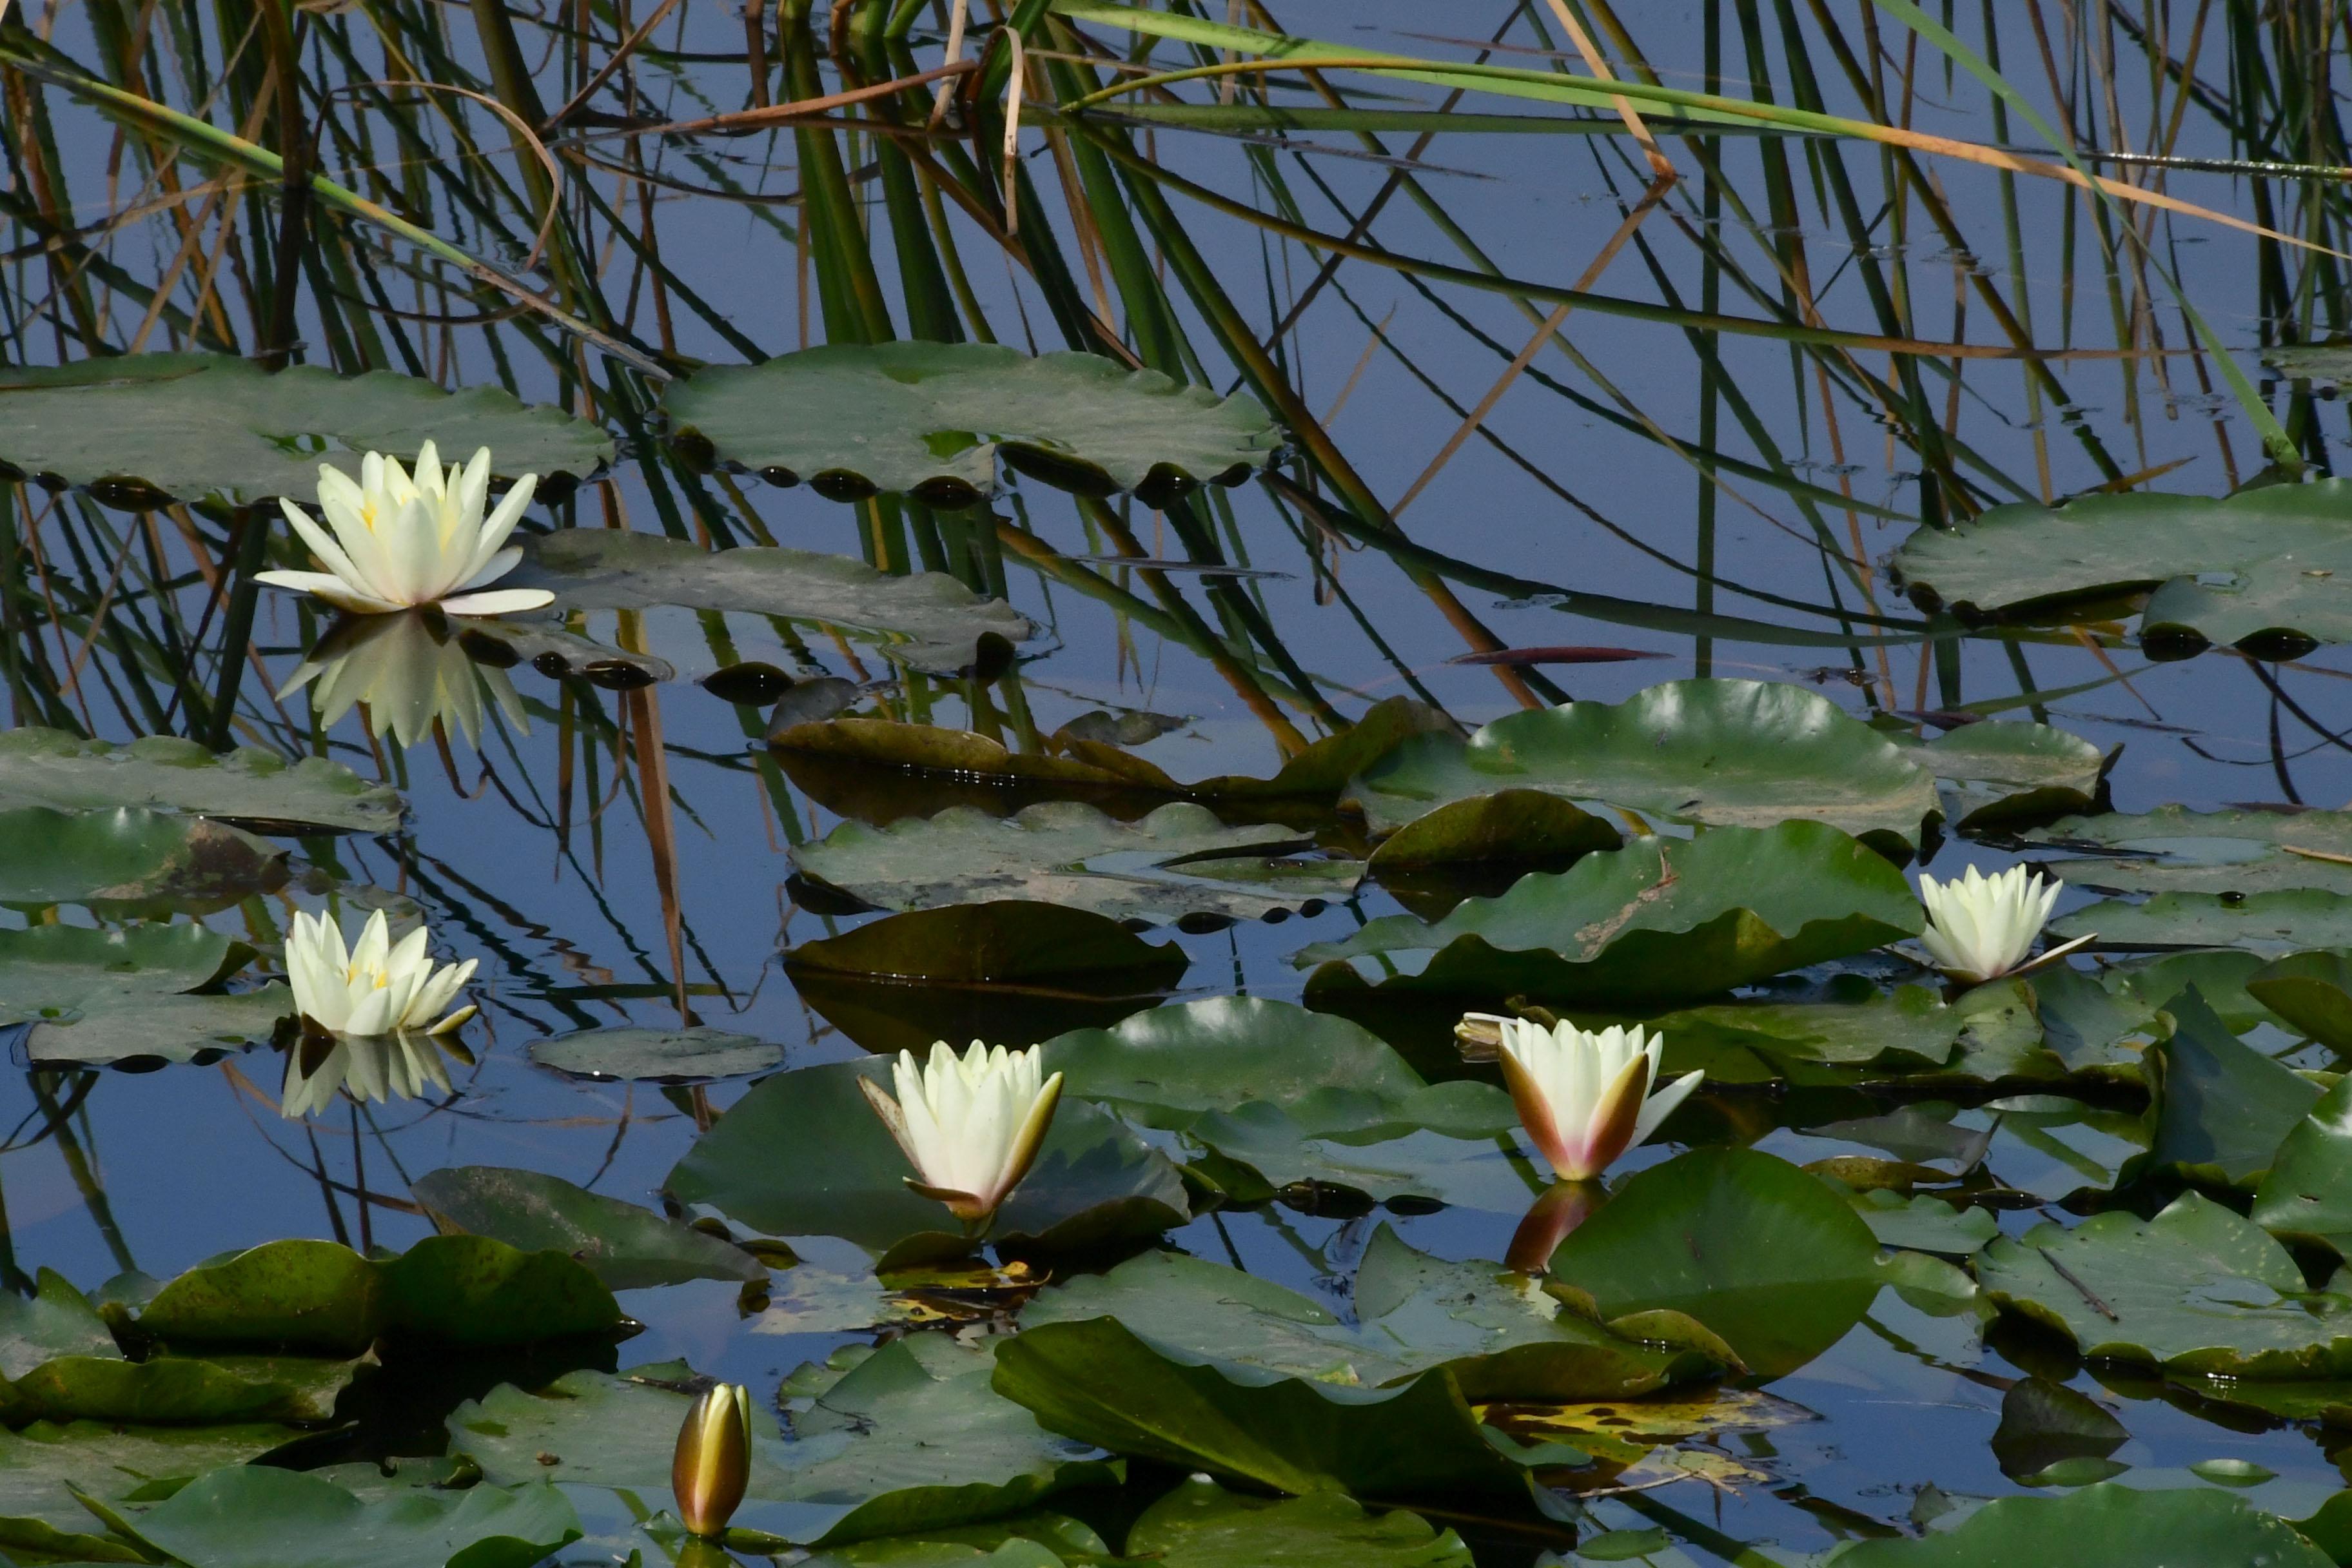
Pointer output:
x,y
970,1125
1584,1098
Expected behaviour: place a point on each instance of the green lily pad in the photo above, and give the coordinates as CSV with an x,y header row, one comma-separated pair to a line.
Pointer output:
x,y
2265,562
1658,921
698,1055
1179,860
131,858
1909,1026
2222,1106
2308,1193
2102,1526
55,1320
2196,1290
1925,1224
2173,849
2006,771
464,1290
164,773
142,428
1170,1066
253,1516
1764,1255
2285,921
928,620
1498,1333
1007,971
42,1465
1527,827
1200,1524
2044,1424
54,971
804,1154
930,420
2312,991
1743,754
626,1246
886,1442
1258,1149
160,1029
1097,1381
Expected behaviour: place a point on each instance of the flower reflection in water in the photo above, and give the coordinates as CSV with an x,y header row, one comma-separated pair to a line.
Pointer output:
x,y
374,1067
410,672
1557,1211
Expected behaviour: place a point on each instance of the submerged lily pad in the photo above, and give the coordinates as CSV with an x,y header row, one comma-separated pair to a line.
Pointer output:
x,y
904,1438
2279,923
2102,1526
1763,1254
142,429
1499,1333
1179,860
930,420
2196,1290
257,1517
146,860
1659,921
165,773
42,1466
2173,849
2262,564
804,1154
658,1055
928,620
626,1246
1745,753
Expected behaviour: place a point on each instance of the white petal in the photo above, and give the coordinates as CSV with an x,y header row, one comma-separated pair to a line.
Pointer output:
x,y
497,601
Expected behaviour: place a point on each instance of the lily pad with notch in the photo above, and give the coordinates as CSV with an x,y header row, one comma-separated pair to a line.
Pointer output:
x,y
804,1154
158,1031
1722,753
1658,921
140,429
697,1055
1181,860
854,419
250,786
2002,773
627,1247
928,620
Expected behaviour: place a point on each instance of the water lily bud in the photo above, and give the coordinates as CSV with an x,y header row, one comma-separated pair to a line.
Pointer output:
x,y
1980,927
395,539
713,1465
1584,1098
970,1125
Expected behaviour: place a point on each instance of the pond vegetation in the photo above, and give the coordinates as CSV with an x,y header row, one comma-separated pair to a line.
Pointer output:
x,y
1036,782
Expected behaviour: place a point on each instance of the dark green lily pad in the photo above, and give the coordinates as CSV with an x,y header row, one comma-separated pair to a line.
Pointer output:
x,y
804,1154
926,620
160,1029
1168,1066
1528,827
41,1465
164,773
2312,991
1744,753
1763,1254
659,1055
1007,971
1910,1027
2280,922
1501,1336
2196,1290
2007,771
930,420
254,1516
130,858
141,428
626,1246
885,1442
2308,1193
2102,1526
1202,1525
2222,1106
2176,850
2044,1424
1657,921
2265,562
1179,860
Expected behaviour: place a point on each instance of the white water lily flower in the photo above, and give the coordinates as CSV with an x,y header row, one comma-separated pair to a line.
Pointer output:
x,y
407,674
395,540
367,1066
1980,927
970,1125
375,988
1584,1096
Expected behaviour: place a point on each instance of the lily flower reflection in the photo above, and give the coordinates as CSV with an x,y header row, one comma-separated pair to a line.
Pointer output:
x,y
970,1125
408,673
1551,1220
373,1068
1980,927
395,539
1583,1097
